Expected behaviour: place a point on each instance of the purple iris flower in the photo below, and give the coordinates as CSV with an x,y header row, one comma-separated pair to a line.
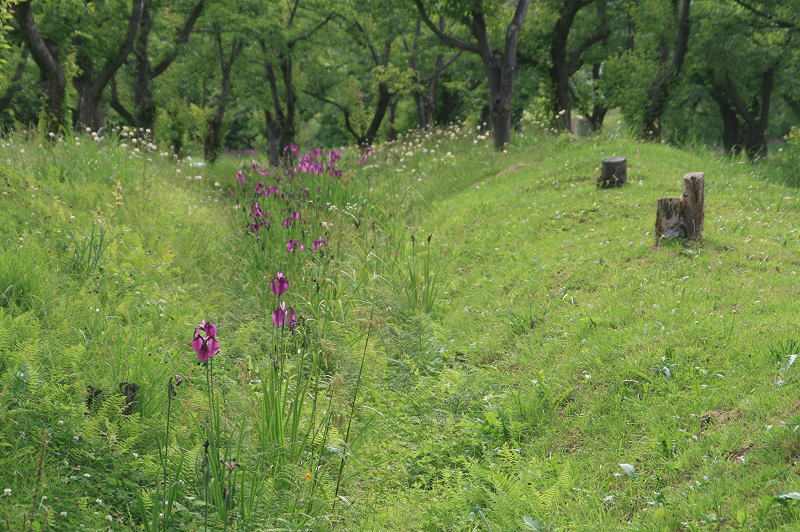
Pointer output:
x,y
240,178
256,211
291,148
279,284
255,226
292,245
205,342
282,316
318,243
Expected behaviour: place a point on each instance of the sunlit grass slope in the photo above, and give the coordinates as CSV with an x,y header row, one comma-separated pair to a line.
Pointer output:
x,y
564,344
530,360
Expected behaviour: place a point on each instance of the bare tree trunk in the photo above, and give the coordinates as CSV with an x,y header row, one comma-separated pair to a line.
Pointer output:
x,y
213,139
500,67
564,64
659,91
391,132
145,111
501,90
90,87
143,99
381,106
46,56
730,121
273,140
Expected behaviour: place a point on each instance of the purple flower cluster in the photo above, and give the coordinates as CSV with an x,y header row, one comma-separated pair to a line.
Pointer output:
x,y
260,218
205,342
282,315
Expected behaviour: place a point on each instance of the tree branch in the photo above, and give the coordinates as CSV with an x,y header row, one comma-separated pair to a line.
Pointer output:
x,y
733,92
117,105
514,28
447,39
313,30
763,14
113,64
345,112
39,50
183,38
603,32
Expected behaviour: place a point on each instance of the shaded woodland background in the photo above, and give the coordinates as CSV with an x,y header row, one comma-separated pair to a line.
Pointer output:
x,y
255,74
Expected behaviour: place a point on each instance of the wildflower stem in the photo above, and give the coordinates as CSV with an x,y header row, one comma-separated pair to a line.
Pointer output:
x,y
352,410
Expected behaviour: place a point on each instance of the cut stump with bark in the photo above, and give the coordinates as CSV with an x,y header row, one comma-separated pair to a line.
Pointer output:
x,y
682,217
693,203
615,172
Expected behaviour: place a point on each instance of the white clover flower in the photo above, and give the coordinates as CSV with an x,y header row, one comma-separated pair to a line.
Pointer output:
x,y
6,492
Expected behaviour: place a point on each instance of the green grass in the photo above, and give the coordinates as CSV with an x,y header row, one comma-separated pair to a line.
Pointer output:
x,y
522,338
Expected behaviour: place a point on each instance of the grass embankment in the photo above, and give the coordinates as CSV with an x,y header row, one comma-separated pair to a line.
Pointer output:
x,y
533,344
565,344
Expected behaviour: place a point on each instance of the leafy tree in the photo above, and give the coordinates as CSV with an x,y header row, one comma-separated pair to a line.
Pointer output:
x,y
146,71
670,63
289,26
565,61
757,42
500,63
99,56
427,81
47,55
373,75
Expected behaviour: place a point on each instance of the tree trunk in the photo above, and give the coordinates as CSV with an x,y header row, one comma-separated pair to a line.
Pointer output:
x,y
90,85
273,140
143,99
384,98
682,217
90,112
659,91
559,66
597,116
501,89
143,96
391,132
213,138
693,204
46,56
615,172
669,223
501,68
730,120
280,121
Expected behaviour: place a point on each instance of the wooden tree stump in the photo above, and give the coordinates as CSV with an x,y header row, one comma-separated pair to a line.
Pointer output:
x,y
693,202
682,217
615,172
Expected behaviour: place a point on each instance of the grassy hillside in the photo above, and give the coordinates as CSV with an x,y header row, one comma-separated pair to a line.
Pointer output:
x,y
486,340
565,344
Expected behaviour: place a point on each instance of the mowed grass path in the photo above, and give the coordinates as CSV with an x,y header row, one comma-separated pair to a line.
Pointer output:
x,y
567,344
